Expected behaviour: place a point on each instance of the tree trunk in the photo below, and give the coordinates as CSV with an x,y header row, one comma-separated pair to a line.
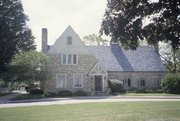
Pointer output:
x,y
174,60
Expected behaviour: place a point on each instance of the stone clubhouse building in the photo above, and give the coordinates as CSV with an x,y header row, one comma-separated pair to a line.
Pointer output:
x,y
74,66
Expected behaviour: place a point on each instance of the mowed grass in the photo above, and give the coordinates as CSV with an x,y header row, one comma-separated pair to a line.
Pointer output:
x,y
145,94
27,97
112,111
4,93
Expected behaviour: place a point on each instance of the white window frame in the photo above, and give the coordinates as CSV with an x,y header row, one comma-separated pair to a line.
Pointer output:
x,y
71,63
57,80
62,58
74,80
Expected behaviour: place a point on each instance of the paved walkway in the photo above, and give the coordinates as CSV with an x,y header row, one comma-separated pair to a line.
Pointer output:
x,y
5,99
51,101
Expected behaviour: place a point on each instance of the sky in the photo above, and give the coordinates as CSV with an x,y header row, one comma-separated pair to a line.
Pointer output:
x,y
85,17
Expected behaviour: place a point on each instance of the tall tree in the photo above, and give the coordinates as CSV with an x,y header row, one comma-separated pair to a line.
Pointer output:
x,y
15,36
94,40
28,67
171,59
123,21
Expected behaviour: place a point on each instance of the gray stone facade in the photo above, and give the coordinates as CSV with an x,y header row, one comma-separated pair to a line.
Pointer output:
x,y
85,64
94,65
151,79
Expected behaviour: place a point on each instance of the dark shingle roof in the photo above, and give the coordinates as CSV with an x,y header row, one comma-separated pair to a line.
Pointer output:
x,y
114,58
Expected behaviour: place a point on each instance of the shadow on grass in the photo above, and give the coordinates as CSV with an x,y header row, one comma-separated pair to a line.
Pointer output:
x,y
4,93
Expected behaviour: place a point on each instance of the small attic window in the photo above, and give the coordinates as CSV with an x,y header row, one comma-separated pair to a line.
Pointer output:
x,y
69,40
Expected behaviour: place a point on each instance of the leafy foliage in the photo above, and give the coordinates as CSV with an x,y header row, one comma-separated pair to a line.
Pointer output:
x,y
95,40
170,57
115,85
36,91
2,83
65,93
15,36
49,94
171,83
123,21
28,67
80,93
134,90
27,97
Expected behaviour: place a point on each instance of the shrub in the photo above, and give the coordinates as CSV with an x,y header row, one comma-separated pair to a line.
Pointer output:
x,y
145,91
36,91
49,94
2,83
108,91
80,93
115,85
65,93
159,91
171,83
134,90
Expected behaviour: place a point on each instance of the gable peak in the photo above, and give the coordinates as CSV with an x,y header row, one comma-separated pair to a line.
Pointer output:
x,y
69,28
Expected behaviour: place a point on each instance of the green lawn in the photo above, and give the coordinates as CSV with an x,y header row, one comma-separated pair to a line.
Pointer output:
x,y
114,111
27,96
145,94
4,93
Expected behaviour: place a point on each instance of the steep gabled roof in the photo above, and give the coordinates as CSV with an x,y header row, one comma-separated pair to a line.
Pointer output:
x,y
98,70
114,58
60,46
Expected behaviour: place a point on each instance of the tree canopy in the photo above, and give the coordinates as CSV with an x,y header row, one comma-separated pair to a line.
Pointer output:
x,y
28,67
94,40
15,36
170,58
124,22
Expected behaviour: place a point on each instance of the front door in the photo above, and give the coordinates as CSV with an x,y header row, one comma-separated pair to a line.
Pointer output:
x,y
98,84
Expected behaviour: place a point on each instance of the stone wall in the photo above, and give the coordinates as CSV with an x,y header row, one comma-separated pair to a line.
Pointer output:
x,y
152,79
85,64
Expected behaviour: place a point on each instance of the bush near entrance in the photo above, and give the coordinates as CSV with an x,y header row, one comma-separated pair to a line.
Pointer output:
x,y
115,85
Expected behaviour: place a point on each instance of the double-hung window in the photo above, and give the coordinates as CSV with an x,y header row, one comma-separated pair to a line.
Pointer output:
x,y
63,59
126,81
60,81
69,59
77,80
141,82
74,59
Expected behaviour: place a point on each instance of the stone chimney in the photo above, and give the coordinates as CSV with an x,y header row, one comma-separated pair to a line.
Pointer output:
x,y
44,39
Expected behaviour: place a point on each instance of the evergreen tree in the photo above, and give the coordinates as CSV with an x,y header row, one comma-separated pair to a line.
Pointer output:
x,y
15,36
